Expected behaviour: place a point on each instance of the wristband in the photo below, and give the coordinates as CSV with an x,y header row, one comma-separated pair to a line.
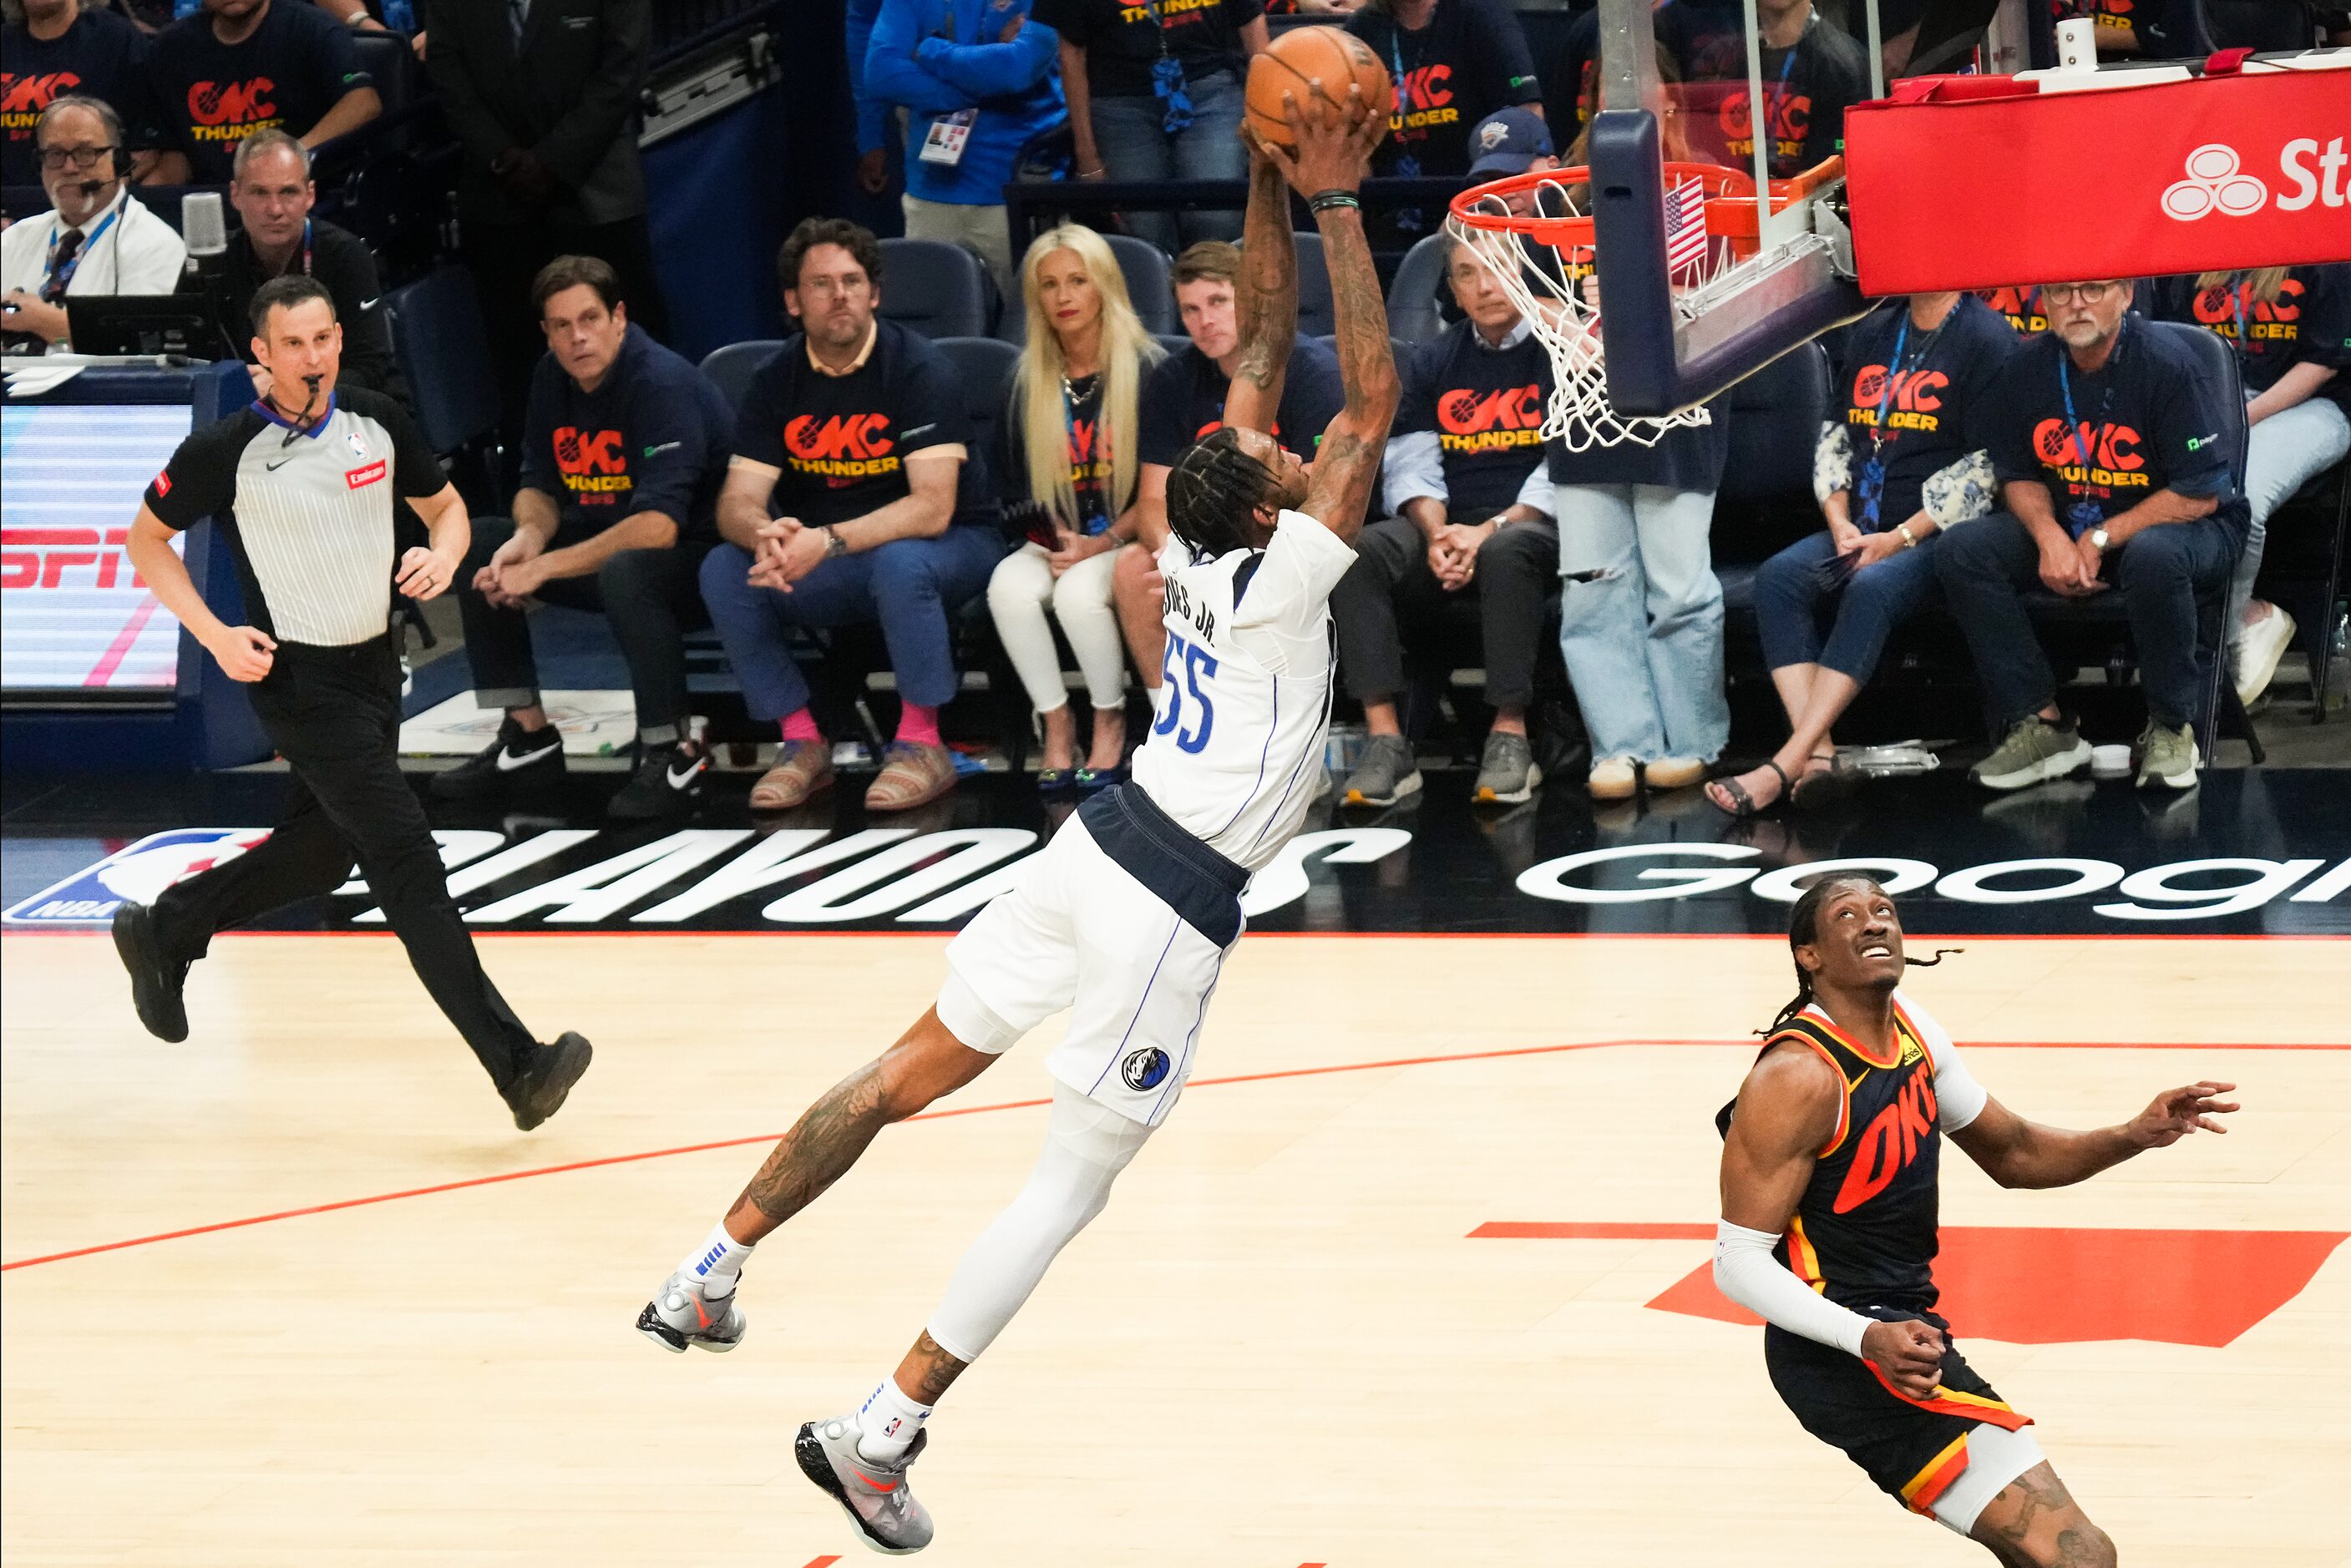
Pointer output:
x,y
1324,201
1909,540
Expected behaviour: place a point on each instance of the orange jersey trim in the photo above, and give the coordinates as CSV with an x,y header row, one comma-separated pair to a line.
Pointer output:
x,y
1935,1477
1952,1402
1845,1094
1820,1018
1801,1254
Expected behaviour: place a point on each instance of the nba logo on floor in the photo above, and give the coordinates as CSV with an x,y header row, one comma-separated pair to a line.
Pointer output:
x,y
137,872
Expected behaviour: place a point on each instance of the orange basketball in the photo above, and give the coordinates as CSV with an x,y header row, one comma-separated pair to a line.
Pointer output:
x,y
1309,62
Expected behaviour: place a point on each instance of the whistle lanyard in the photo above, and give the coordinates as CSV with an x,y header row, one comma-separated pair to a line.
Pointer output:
x,y
1873,472
2084,513
1097,449
61,278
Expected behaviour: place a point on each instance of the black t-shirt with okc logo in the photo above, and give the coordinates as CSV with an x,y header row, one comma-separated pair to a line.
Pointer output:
x,y
1933,405
2150,420
1122,38
1486,408
1090,456
1470,60
2309,322
654,436
1184,399
1806,91
101,55
840,441
296,67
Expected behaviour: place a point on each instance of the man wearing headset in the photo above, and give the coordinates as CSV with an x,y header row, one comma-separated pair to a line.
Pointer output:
x,y
96,239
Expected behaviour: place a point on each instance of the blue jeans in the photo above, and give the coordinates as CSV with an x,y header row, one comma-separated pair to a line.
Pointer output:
x,y
910,586
1130,134
1789,597
1643,645
2286,451
2164,575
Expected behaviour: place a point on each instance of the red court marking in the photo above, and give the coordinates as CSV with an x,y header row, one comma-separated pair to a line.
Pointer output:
x,y
1588,1230
821,1562
120,648
1025,1105
2029,1285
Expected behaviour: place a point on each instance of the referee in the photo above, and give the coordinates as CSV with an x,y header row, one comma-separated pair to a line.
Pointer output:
x,y
301,484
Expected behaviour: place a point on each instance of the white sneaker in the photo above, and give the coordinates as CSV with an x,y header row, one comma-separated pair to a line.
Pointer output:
x,y
2257,652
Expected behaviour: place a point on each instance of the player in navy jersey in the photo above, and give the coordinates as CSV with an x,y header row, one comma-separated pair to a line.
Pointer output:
x,y
1830,1185
1125,918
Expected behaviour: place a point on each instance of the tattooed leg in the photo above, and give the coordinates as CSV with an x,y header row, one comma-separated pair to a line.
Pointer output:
x,y
2034,1522
927,1371
927,1062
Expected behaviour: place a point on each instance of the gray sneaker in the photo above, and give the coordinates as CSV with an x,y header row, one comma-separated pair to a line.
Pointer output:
x,y
680,1315
875,1496
1507,773
2035,749
1386,773
2167,757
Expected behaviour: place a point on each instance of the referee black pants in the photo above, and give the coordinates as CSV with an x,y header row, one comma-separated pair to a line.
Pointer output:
x,y
333,714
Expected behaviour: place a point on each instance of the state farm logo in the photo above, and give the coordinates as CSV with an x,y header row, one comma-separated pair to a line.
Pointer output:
x,y
2214,186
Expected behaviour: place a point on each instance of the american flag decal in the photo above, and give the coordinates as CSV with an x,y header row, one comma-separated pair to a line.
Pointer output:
x,y
1685,225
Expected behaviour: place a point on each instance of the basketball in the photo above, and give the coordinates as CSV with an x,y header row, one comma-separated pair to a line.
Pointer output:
x,y
1307,61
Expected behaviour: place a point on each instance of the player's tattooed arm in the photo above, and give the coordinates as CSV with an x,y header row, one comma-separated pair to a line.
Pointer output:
x,y
927,1372
1267,307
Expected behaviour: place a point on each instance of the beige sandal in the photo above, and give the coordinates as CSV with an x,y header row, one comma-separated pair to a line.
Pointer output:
x,y
802,768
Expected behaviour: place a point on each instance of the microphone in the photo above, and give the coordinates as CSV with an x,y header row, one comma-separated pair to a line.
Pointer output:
x,y
91,188
202,226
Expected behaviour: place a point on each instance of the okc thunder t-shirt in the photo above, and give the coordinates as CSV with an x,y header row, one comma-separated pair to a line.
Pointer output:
x,y
1122,39
1470,60
2021,305
296,67
1184,399
1932,403
1486,408
101,55
653,437
2309,322
1089,450
842,441
1806,91
2151,420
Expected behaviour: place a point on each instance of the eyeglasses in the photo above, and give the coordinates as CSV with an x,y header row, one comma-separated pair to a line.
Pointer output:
x,y
80,157
2066,293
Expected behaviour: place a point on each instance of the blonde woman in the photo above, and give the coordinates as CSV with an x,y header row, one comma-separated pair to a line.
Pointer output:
x,y
1069,442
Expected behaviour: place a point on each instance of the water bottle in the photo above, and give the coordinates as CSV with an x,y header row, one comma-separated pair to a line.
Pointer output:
x,y
399,15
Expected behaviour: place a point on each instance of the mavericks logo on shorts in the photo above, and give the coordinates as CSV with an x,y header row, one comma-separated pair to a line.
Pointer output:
x,y
1144,1069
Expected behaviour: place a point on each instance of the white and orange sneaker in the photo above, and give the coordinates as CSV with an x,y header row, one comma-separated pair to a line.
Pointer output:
x,y
875,1496
680,1315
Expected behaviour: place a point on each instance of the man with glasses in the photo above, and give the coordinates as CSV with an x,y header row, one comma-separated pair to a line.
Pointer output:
x,y
96,238
53,46
2115,455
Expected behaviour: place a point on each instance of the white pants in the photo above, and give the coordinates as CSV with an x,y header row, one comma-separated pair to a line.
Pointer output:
x,y
1017,595
1078,931
984,229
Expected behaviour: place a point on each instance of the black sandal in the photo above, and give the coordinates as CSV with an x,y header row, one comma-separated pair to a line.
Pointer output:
x,y
1742,804
1822,788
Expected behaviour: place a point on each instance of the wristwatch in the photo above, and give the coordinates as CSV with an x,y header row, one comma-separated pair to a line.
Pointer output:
x,y
2098,539
834,545
1909,540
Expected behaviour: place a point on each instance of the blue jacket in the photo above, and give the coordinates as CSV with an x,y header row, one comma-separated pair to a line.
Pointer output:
x,y
922,55
872,122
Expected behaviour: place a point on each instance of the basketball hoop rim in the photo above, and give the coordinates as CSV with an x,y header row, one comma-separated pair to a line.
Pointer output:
x,y
1731,203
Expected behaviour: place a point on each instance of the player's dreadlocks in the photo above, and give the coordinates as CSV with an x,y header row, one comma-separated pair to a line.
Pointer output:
x,y
1213,491
1804,928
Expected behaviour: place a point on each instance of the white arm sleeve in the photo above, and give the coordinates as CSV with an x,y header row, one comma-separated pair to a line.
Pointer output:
x,y
1958,1098
1746,1271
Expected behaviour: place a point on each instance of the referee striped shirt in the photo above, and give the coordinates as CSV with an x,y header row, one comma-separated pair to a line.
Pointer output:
x,y
309,515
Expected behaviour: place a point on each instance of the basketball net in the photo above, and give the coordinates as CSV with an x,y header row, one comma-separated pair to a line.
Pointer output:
x,y
1543,261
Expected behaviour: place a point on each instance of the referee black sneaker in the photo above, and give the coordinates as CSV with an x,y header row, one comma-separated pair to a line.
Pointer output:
x,y
155,980
529,758
668,781
547,1077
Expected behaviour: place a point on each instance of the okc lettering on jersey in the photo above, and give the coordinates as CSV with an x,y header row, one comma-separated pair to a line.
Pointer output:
x,y
231,111
1471,422
2116,462
843,448
22,98
1917,397
1891,1141
1171,12
2278,320
595,464
1424,101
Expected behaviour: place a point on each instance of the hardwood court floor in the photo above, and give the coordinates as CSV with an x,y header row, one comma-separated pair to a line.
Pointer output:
x,y
1281,1345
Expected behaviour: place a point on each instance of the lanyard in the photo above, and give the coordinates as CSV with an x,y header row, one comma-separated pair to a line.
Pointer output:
x,y
2084,513
61,280
2237,292
1158,27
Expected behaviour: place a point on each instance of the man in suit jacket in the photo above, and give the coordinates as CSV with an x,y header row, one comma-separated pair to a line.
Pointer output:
x,y
543,96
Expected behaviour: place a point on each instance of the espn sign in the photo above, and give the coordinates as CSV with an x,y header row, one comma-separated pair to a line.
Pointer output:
x,y
2213,174
40,557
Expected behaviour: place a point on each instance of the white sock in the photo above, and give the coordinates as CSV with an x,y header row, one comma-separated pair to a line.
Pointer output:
x,y
888,1423
718,1263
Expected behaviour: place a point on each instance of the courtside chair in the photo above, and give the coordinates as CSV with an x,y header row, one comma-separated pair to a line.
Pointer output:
x,y
1316,318
1413,314
936,289
730,369
1149,281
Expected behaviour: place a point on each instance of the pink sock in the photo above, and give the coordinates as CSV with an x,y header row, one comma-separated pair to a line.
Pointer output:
x,y
801,726
919,724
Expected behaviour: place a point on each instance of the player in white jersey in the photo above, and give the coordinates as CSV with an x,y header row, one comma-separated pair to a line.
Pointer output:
x,y
1125,918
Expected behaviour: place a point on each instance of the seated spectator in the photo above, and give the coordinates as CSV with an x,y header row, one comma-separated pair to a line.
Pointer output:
x,y
1184,399
2129,29
1472,500
96,239
2113,452
1902,465
1812,72
976,102
242,66
2290,327
850,501
623,454
544,101
65,46
1453,63
1155,93
1070,441
273,194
